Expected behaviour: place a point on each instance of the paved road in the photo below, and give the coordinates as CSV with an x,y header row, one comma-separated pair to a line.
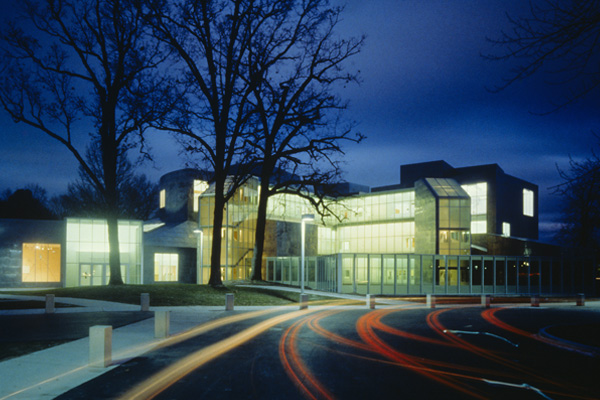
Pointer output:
x,y
406,351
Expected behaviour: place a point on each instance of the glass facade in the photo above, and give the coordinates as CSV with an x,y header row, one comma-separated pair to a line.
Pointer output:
x,y
413,274
87,252
239,227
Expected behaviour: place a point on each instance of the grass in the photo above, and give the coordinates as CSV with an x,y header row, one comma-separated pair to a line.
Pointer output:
x,y
178,294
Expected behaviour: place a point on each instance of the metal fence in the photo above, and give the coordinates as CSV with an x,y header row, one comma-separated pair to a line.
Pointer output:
x,y
418,274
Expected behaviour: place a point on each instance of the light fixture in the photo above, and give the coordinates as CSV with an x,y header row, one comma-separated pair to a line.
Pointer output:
x,y
305,218
200,233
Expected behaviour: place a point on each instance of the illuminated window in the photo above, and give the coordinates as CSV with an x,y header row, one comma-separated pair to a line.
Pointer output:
x,y
478,194
199,188
505,229
41,262
478,226
528,202
166,267
163,198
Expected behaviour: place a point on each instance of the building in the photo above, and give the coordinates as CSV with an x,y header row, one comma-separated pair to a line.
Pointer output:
x,y
439,230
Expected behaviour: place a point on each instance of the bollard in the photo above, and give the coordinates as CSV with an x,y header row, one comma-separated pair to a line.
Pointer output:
x,y
486,300
145,301
303,301
229,302
370,302
580,299
535,300
161,324
49,304
100,346
430,301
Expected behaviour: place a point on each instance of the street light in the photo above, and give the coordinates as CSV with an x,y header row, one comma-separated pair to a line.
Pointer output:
x,y
200,234
305,218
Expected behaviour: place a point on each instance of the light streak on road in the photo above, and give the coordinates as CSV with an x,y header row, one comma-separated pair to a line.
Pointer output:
x,y
293,365
159,382
460,332
519,386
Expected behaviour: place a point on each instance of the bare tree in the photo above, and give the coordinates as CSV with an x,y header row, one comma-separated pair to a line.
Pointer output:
x,y
78,66
298,64
559,38
137,196
580,192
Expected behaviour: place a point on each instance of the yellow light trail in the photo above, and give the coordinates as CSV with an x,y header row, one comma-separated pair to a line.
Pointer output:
x,y
159,382
145,347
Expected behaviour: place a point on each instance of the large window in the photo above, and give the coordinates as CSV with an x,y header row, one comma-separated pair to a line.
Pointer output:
x,y
41,262
166,267
478,194
199,188
528,202
505,229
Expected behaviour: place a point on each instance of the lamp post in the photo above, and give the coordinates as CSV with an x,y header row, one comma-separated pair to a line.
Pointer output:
x,y
305,218
200,234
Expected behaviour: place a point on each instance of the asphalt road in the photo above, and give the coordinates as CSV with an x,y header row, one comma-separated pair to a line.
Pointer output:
x,y
403,352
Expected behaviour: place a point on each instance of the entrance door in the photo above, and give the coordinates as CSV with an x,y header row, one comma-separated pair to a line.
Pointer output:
x,y
93,274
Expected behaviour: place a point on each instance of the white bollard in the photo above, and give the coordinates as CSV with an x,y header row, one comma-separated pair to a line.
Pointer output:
x,y
486,300
145,301
100,346
580,299
535,300
370,302
303,301
229,302
161,324
50,304
430,301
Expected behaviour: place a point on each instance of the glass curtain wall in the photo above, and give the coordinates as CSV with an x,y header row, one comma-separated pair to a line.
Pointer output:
x,y
237,234
87,257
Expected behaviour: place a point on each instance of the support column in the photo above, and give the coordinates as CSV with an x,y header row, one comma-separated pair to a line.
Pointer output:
x,y
145,301
229,302
303,301
50,304
486,300
370,302
100,346
161,324
430,301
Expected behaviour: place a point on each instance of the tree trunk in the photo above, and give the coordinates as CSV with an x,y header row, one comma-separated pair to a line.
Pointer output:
x,y
114,256
259,237
215,255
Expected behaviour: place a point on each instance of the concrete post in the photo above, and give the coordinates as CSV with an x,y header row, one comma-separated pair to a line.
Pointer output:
x,y
486,300
145,301
535,300
430,301
100,346
580,299
370,302
303,301
49,304
229,302
161,324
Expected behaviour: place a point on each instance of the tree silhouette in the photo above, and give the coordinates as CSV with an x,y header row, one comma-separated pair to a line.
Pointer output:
x,y
558,38
75,68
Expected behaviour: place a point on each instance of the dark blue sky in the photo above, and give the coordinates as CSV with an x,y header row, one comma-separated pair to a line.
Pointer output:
x,y
423,97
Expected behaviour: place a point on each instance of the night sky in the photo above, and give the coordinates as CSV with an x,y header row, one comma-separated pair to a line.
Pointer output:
x,y
423,97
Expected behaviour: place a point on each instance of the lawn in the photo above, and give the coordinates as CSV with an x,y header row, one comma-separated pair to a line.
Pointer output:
x,y
178,294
